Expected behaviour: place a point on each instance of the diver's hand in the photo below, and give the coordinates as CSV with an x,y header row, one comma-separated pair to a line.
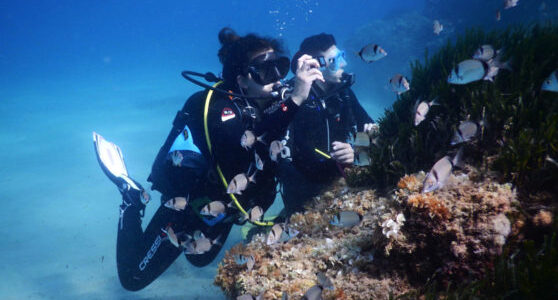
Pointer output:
x,y
307,70
343,153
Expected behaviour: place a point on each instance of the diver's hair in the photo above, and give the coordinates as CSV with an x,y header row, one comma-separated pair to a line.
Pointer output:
x,y
313,45
236,52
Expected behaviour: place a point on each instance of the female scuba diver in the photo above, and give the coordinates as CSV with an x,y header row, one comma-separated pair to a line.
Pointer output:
x,y
218,162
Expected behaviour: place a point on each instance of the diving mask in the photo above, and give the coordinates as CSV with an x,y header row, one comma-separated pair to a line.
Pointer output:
x,y
268,68
334,63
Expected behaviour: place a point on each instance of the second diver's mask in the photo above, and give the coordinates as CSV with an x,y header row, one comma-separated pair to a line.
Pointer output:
x,y
334,63
268,68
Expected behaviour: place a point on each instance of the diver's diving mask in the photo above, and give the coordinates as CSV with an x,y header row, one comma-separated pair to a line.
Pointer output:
x,y
334,63
268,68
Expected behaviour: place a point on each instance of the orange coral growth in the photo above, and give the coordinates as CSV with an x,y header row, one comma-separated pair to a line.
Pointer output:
x,y
409,182
430,204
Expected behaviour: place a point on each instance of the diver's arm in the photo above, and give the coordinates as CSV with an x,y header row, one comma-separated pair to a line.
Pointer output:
x,y
305,158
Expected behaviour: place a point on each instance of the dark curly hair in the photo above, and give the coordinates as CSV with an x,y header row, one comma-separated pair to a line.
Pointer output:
x,y
236,52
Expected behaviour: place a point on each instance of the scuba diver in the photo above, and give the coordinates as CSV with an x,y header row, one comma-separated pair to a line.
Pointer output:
x,y
325,124
218,164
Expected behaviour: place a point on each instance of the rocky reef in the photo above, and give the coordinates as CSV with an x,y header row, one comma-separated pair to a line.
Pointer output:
x,y
403,241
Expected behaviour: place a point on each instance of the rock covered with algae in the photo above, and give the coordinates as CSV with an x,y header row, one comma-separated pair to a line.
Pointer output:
x,y
403,240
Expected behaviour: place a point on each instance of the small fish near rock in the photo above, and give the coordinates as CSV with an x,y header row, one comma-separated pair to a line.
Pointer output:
x,y
361,139
254,214
371,53
440,172
324,281
346,219
471,70
249,260
421,110
280,233
362,158
200,245
399,84
314,293
466,131
250,297
485,53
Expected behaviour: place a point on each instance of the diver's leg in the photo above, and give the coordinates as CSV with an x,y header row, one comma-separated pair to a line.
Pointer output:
x,y
142,256
297,190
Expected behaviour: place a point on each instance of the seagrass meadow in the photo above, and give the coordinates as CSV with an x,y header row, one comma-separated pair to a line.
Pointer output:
x,y
521,120
490,232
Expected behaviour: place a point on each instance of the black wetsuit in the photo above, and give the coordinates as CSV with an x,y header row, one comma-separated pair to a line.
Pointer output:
x,y
321,120
143,256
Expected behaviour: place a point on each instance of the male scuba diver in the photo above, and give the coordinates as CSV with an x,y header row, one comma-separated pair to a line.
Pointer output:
x,y
320,134
218,164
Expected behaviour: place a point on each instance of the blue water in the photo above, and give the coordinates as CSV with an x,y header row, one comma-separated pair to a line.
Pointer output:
x,y
68,68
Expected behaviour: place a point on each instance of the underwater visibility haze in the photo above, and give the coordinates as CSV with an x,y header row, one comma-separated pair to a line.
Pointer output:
x,y
475,73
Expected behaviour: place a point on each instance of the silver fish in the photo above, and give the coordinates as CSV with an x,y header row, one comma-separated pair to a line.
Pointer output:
x,y
173,238
551,83
280,233
440,172
214,208
466,131
259,162
498,16
346,219
248,139
399,84
324,281
250,261
177,203
250,297
255,214
200,245
239,183
177,158
274,234
471,70
510,3
437,27
361,139
314,293
275,149
371,53
485,52
362,158
422,109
